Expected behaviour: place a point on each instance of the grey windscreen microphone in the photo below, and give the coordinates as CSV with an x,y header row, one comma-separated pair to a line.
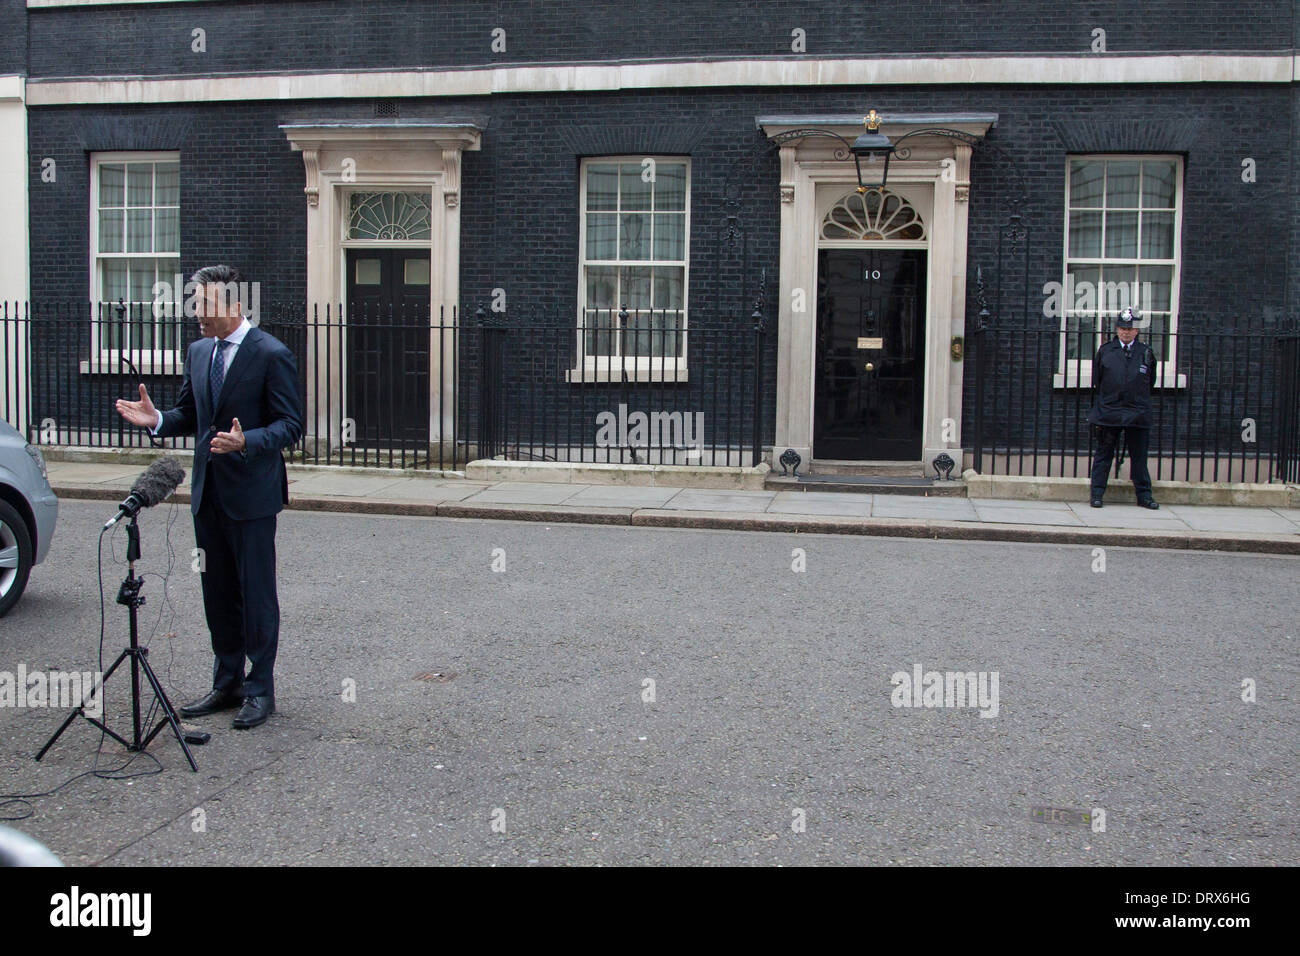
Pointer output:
x,y
152,486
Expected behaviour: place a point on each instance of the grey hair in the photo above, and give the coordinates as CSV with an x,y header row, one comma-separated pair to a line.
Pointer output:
x,y
224,275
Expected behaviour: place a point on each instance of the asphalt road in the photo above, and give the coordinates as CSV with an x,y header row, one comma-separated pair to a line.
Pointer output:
x,y
500,716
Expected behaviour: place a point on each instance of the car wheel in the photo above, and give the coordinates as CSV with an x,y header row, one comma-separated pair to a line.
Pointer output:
x,y
15,556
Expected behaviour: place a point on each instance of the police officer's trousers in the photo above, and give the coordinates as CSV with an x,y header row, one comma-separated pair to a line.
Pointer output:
x,y
1136,439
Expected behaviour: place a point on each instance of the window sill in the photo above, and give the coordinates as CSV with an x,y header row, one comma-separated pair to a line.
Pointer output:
x,y
146,365
596,376
1165,380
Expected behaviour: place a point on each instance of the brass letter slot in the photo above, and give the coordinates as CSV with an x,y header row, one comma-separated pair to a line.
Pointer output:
x,y
871,343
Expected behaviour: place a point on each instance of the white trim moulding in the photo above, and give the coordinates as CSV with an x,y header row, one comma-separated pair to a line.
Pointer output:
x,y
1111,69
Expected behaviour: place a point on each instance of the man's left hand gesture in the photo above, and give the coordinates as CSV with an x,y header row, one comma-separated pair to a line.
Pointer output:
x,y
226,442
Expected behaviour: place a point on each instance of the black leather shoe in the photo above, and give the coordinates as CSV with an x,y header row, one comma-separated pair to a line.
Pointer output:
x,y
1149,503
256,710
1096,502
213,701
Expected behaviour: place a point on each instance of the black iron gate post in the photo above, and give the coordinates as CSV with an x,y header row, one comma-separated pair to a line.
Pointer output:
x,y
977,338
1286,440
757,367
492,386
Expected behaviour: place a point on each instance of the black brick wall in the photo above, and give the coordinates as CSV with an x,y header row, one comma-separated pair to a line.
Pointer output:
x,y
1293,176
13,36
361,34
242,186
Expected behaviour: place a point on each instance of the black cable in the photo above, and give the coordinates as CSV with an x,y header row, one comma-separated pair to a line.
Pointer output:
x,y
166,605
23,800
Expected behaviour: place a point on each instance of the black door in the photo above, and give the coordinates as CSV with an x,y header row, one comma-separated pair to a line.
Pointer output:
x,y
870,384
388,346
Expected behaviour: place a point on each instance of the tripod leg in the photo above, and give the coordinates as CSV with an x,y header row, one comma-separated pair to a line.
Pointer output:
x,y
58,733
81,709
169,714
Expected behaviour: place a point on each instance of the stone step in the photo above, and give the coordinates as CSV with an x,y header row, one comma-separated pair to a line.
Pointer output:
x,y
900,469
869,484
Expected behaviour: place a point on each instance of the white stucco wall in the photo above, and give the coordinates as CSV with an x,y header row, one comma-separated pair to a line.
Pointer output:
x,y
14,257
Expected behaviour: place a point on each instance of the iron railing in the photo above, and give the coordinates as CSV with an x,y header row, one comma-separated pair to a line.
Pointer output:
x,y
1226,407
394,387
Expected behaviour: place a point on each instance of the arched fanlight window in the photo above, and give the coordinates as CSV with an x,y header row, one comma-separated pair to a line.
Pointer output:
x,y
390,216
875,214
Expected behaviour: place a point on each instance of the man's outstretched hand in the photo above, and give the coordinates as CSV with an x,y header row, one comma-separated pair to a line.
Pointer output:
x,y
233,440
140,413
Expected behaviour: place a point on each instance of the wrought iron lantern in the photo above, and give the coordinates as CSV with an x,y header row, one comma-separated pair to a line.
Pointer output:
x,y
877,149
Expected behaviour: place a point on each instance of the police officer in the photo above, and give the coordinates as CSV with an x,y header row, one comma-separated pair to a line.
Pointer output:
x,y
1123,375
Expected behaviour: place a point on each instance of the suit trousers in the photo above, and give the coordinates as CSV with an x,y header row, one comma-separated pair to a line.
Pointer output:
x,y
239,596
1136,439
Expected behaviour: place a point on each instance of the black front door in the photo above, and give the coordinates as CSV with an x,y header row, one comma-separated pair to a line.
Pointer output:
x,y
388,346
870,384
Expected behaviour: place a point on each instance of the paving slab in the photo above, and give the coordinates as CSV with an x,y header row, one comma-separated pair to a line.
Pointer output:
x,y
1255,520
1128,516
1027,504
914,506
90,473
526,493
352,486
704,499
622,496
1103,520
426,490
1014,515
821,503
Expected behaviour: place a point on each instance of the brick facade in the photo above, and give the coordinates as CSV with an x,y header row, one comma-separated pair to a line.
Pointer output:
x,y
325,35
241,184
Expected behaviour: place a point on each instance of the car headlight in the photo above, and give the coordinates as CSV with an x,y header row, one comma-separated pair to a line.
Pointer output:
x,y
39,459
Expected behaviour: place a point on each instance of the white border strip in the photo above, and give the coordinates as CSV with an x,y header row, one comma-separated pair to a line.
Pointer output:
x,y
484,81
36,4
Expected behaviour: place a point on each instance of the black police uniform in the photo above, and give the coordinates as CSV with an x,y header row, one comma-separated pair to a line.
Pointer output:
x,y
1122,380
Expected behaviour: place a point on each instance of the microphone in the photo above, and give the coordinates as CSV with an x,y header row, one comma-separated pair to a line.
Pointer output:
x,y
157,482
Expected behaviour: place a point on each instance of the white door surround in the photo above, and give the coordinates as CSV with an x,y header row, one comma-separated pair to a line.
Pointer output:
x,y
341,158
935,178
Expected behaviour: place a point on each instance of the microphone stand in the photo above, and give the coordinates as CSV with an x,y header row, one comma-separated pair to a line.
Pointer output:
x,y
129,595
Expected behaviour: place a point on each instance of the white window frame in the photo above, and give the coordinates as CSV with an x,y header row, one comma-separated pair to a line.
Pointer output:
x,y
1077,373
106,360
644,368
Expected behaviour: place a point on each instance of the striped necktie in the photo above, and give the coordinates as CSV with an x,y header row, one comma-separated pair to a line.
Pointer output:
x,y
218,376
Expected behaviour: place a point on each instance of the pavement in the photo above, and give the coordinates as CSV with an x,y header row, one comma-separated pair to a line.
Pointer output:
x,y
389,491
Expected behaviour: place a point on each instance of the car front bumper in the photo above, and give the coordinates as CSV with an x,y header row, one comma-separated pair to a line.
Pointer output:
x,y
45,508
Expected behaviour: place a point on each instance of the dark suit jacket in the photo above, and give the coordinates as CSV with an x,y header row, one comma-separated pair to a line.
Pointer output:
x,y
261,390
1122,385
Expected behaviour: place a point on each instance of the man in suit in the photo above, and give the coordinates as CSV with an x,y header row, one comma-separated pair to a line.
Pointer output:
x,y
1123,376
240,397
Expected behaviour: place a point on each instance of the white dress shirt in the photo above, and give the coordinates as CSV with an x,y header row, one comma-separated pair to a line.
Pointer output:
x,y
232,346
